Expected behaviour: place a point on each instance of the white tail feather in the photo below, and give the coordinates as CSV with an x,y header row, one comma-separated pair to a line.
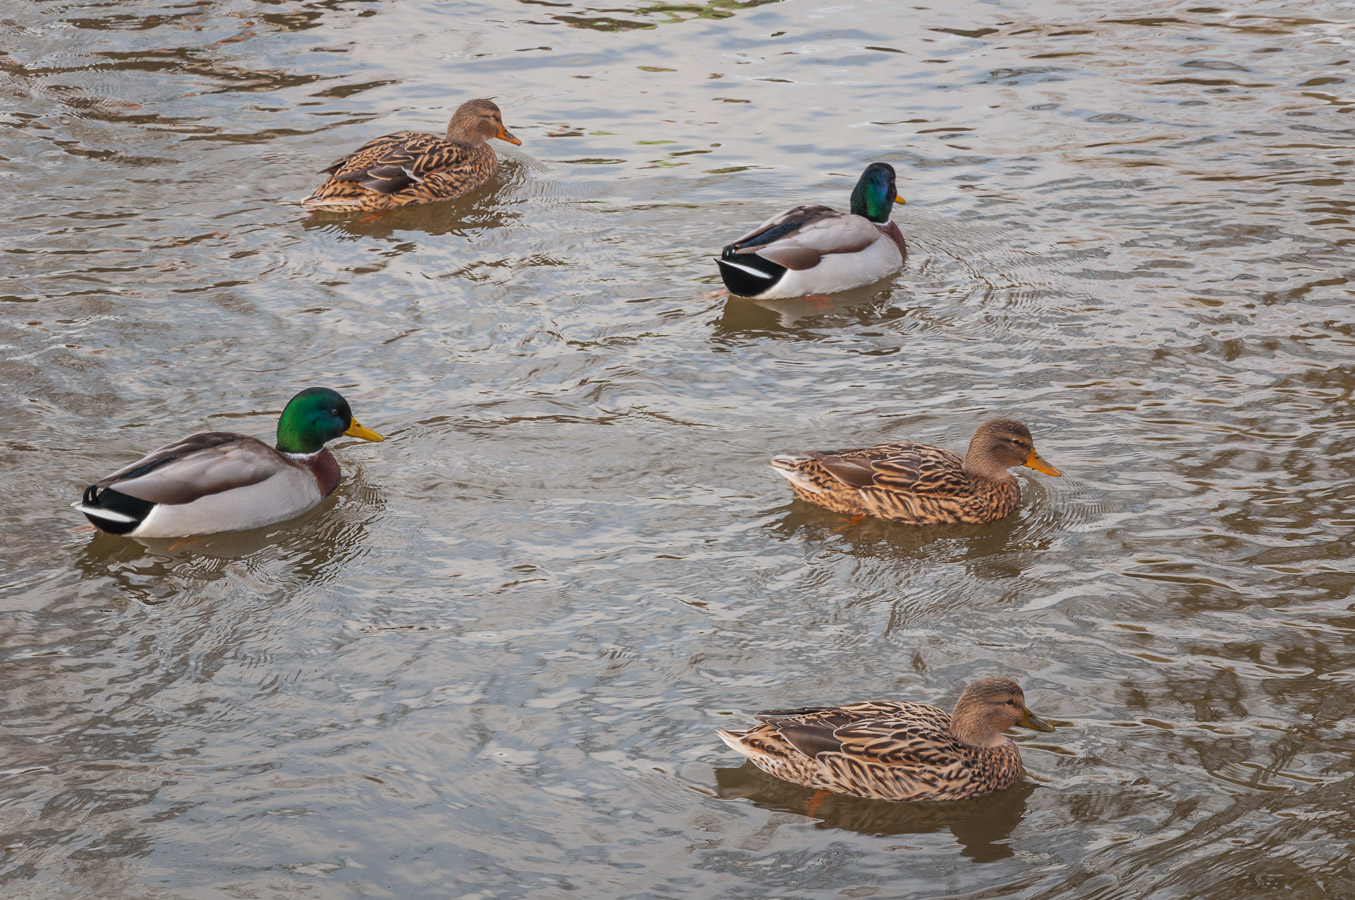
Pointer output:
x,y
750,270
106,514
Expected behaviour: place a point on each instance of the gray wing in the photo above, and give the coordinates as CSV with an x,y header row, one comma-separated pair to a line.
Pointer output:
x,y
197,466
799,238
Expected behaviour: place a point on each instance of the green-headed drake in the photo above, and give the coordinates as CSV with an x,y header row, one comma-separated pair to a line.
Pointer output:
x,y
817,250
219,481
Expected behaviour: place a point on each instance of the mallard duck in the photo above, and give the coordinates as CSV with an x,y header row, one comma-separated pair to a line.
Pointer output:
x,y
217,481
817,250
411,167
916,483
896,750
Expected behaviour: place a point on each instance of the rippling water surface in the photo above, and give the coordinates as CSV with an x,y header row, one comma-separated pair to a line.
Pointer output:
x,y
491,664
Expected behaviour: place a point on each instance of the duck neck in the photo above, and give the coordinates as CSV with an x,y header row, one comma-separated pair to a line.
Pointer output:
x,y
323,466
968,728
465,132
891,231
980,465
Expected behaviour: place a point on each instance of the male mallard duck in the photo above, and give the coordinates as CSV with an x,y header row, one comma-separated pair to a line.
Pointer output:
x,y
218,481
892,750
817,250
411,167
918,484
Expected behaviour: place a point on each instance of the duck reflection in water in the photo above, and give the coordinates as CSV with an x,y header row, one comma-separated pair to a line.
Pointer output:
x,y
801,318
316,548
982,826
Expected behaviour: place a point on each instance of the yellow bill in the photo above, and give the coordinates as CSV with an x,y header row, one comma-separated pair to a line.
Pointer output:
x,y
899,200
359,431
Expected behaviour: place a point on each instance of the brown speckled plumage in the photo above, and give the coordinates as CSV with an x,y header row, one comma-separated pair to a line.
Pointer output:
x,y
411,167
916,483
896,750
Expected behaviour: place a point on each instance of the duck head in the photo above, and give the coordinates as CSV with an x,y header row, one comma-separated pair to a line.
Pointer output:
x,y
476,121
875,195
989,707
315,417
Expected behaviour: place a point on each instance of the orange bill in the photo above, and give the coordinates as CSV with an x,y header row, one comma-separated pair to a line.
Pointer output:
x,y
1039,465
506,135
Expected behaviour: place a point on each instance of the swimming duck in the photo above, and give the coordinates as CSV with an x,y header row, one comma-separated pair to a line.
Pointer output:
x,y
893,750
817,250
217,481
916,483
411,167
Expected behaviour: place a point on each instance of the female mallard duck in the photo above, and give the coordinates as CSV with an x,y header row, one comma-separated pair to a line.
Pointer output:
x,y
411,167
918,484
891,750
218,481
817,250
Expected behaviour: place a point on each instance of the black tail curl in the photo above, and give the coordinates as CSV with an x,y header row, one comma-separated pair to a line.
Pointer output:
x,y
117,502
748,274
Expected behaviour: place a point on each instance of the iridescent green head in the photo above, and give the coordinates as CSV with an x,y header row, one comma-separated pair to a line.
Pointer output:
x,y
315,417
874,195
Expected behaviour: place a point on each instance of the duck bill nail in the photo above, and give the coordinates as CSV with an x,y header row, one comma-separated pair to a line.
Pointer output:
x,y
1039,465
1030,720
359,431
506,135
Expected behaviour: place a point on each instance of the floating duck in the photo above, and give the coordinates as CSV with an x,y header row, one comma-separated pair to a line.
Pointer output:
x,y
218,481
818,250
917,483
411,167
896,750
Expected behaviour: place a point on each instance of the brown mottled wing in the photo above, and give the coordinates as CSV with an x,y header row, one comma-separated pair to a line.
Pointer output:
x,y
853,471
199,465
892,734
798,238
395,161
906,466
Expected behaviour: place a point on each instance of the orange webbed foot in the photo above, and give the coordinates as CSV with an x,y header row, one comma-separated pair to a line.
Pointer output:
x,y
812,807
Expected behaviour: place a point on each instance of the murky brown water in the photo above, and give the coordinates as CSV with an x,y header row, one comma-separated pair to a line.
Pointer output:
x,y
491,665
